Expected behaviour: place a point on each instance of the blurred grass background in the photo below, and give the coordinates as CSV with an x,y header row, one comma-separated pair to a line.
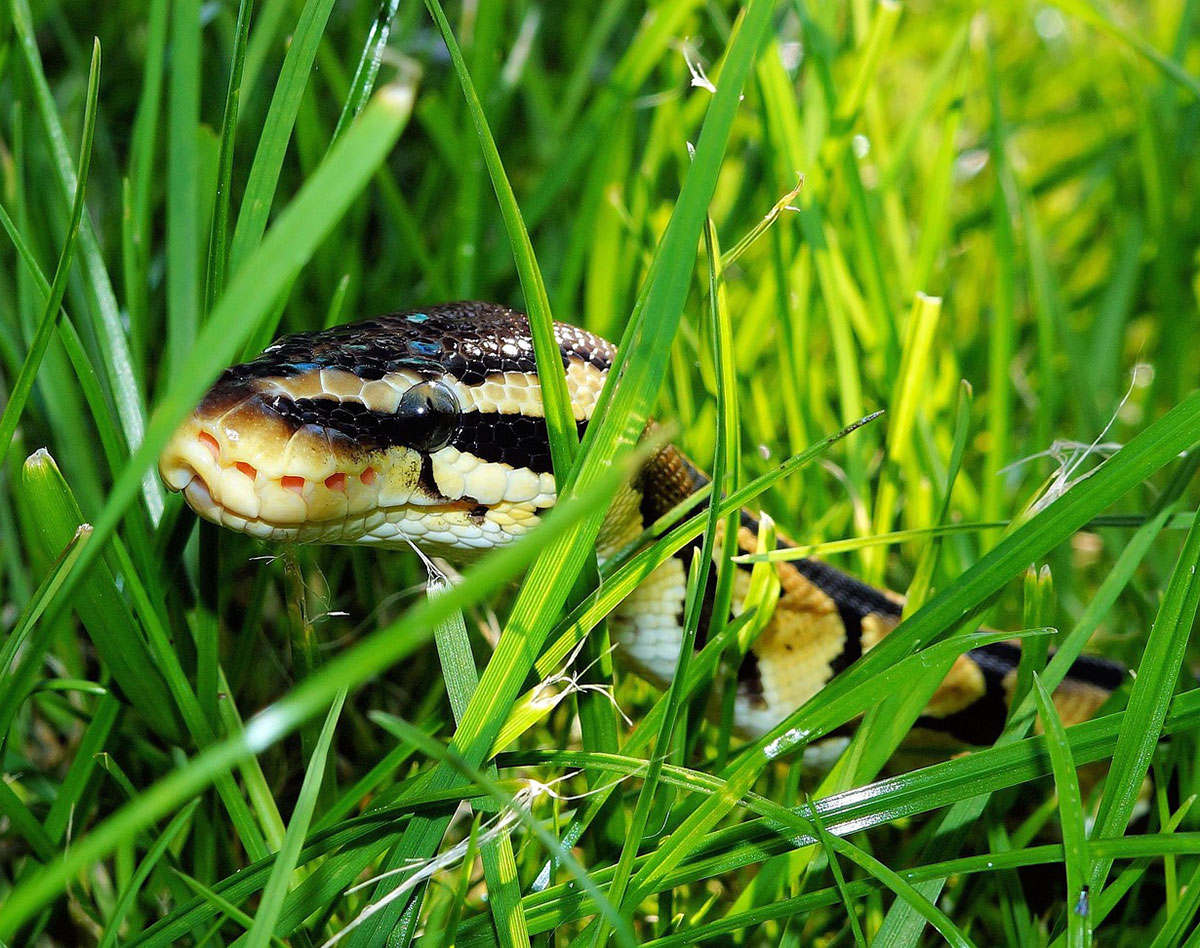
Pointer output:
x,y
1001,195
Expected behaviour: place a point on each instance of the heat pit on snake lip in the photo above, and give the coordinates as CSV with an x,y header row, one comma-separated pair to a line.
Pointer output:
x,y
293,483
211,444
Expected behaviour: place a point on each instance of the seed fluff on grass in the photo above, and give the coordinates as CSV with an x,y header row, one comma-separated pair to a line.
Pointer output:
x,y
519,809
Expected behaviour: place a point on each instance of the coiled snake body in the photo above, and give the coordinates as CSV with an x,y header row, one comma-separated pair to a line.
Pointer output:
x,y
427,427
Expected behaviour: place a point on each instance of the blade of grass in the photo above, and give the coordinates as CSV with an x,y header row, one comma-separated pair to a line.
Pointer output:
x,y
560,420
159,848
462,678
23,384
120,376
1155,681
184,288
277,132
218,245
284,866
1070,808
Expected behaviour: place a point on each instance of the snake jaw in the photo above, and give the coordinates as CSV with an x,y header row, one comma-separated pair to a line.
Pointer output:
x,y
248,470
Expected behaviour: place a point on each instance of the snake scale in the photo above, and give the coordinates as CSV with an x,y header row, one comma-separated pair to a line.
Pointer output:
x,y
427,427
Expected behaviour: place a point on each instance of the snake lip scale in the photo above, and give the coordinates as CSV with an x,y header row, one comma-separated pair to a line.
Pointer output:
x,y
427,427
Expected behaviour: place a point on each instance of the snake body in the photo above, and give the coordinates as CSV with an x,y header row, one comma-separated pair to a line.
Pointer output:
x,y
427,427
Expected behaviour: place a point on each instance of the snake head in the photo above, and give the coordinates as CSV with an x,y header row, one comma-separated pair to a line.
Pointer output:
x,y
420,426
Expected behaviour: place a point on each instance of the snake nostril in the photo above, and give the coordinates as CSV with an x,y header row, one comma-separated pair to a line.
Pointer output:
x,y
292,483
336,482
211,443
248,469
368,476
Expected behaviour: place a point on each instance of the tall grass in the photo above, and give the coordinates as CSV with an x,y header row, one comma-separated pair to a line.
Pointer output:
x,y
204,742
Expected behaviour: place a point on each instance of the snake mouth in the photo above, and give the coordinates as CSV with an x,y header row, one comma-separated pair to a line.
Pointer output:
x,y
296,487
271,499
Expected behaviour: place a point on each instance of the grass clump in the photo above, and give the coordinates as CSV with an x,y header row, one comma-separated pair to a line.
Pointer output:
x,y
202,745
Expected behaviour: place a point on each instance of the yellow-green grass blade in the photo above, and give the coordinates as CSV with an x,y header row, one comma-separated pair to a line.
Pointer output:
x,y
462,678
1153,685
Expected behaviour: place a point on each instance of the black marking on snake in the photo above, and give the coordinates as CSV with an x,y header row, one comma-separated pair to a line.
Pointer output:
x,y
427,482
853,599
750,683
469,341
518,440
981,721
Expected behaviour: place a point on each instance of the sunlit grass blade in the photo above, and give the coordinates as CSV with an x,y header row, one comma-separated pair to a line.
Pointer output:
x,y
278,883
462,678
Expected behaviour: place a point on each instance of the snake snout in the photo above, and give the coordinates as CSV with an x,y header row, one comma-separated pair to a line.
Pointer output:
x,y
213,479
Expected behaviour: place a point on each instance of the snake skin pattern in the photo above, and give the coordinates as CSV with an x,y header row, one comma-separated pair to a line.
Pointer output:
x,y
427,427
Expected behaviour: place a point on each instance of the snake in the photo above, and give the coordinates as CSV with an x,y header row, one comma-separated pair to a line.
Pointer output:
x,y
427,428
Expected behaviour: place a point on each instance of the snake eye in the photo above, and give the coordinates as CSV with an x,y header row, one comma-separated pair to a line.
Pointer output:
x,y
430,414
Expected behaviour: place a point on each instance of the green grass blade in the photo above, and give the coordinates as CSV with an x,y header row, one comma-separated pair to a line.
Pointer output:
x,y
560,421
1153,685
285,860
145,867
184,286
1070,807
218,245
277,132
23,384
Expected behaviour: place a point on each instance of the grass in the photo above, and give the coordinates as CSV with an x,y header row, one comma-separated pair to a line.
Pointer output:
x,y
201,745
